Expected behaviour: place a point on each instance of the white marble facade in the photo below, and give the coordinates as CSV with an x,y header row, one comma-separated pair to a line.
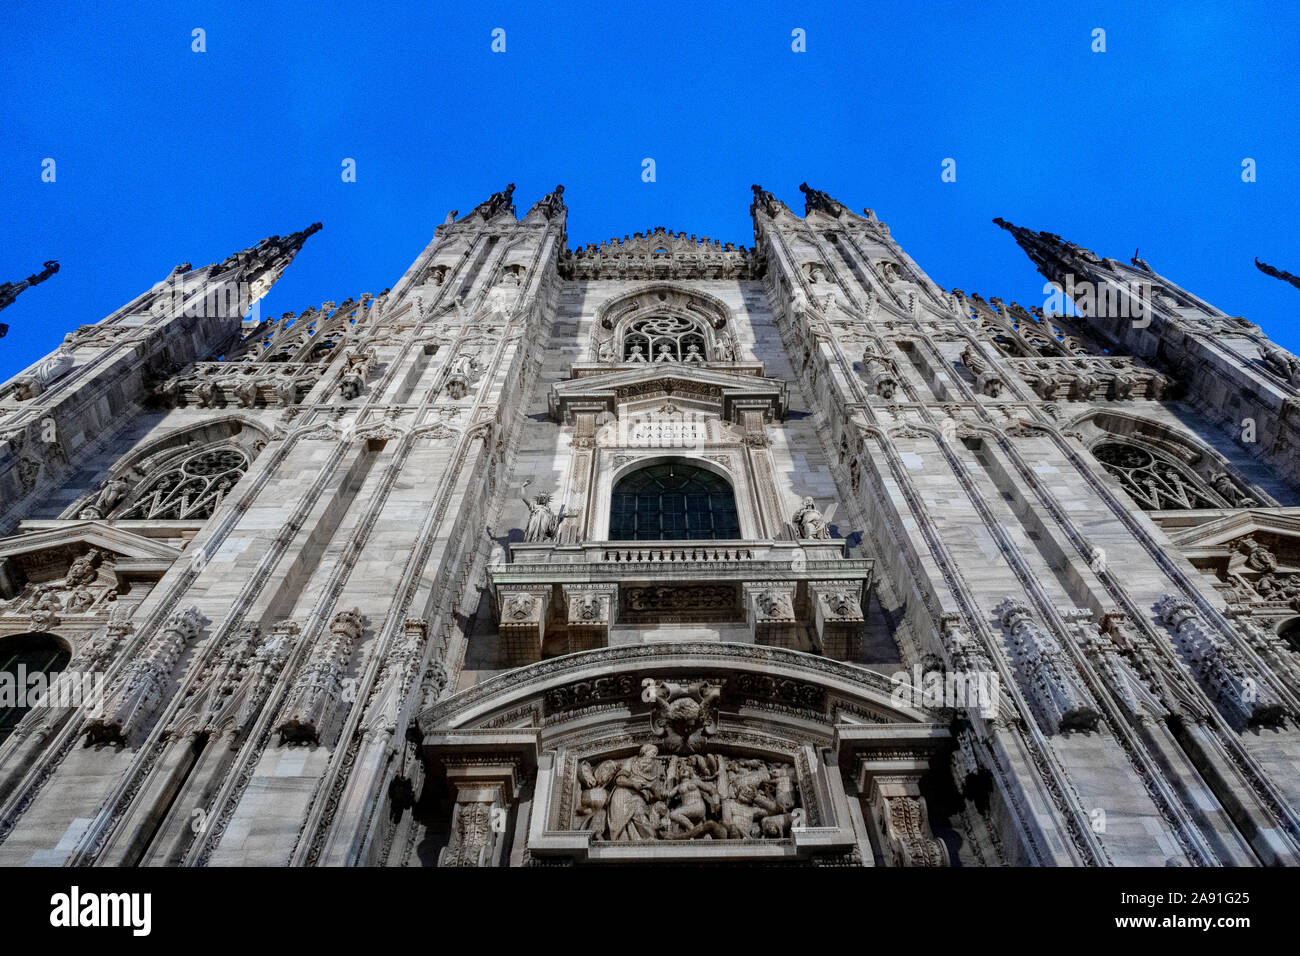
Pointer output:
x,y
657,550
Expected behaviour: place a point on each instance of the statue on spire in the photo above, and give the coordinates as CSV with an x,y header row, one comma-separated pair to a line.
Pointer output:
x,y
9,290
496,202
816,199
1265,268
764,200
552,204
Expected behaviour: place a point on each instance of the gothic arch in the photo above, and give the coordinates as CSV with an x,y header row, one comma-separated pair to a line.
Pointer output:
x,y
182,475
667,301
1162,468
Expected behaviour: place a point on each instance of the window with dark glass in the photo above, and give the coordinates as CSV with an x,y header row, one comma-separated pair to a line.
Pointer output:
x,y
673,502
21,656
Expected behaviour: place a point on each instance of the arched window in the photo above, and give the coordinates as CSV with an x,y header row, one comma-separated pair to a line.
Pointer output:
x,y
192,488
1153,481
668,338
21,656
673,502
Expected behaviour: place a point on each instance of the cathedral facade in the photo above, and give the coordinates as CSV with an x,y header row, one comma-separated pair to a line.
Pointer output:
x,y
661,550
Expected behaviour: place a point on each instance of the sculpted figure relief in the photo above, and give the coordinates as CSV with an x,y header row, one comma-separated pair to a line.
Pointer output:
x,y
110,495
649,797
683,714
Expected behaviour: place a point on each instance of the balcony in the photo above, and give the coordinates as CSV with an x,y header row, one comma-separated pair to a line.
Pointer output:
x,y
561,598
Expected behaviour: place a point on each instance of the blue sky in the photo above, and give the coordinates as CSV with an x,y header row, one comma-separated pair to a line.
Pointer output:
x,y
166,155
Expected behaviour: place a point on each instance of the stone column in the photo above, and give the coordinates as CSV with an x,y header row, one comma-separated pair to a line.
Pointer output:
x,y
483,791
753,421
890,761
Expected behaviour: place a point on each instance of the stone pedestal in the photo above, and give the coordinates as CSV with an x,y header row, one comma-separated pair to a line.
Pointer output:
x,y
838,617
592,610
523,624
769,611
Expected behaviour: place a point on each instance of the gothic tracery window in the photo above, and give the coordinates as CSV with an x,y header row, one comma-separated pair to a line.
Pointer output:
x,y
192,488
666,338
1153,481
673,502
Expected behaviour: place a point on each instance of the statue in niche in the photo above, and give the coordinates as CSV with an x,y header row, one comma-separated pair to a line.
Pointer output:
x,y
808,521
542,521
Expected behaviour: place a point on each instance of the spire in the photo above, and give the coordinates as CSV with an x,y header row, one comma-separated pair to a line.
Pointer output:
x,y
264,263
816,199
1265,268
1049,252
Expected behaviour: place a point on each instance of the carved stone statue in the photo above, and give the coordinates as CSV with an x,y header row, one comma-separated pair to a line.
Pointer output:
x,y
637,784
809,523
816,199
83,571
9,290
683,714
110,495
542,521
43,374
552,204
1225,486
649,797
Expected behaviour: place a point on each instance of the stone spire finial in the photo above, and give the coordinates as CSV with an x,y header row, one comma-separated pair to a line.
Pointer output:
x,y
265,262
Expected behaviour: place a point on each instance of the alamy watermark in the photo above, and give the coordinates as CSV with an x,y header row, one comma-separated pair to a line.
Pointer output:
x,y
32,689
1125,300
951,689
